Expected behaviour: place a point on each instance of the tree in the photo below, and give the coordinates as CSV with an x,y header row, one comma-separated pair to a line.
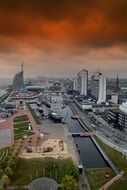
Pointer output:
x,y
73,171
12,162
69,183
5,180
8,171
3,164
1,173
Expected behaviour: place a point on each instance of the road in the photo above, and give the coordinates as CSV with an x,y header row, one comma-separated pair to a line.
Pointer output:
x,y
105,130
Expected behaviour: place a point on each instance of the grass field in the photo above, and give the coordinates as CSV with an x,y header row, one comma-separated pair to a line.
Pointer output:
x,y
96,177
119,162
29,169
21,118
21,127
33,114
4,153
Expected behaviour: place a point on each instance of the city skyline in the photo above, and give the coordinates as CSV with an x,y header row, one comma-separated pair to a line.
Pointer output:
x,y
60,38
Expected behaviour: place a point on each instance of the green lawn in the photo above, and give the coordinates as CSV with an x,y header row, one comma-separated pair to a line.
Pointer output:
x,y
29,169
21,124
4,153
96,177
37,120
21,118
119,162
21,134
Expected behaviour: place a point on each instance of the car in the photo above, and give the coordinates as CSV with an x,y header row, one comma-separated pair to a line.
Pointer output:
x,y
75,116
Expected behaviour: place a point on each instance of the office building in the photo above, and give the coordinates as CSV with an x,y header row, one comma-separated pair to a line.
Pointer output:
x,y
122,121
114,98
118,118
75,84
98,87
95,85
83,82
18,81
102,89
113,116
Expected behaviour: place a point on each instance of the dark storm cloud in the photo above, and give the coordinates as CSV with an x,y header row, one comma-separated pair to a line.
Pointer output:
x,y
93,23
50,9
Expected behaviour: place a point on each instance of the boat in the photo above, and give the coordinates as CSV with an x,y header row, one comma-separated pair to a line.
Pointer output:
x,y
56,117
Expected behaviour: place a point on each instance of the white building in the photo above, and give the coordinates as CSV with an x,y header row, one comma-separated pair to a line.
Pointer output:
x,y
98,87
102,89
83,82
75,84
114,98
123,107
95,85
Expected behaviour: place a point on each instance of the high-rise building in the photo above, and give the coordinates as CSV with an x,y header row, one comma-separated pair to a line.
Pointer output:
x,y
102,89
83,82
98,87
75,84
95,85
18,81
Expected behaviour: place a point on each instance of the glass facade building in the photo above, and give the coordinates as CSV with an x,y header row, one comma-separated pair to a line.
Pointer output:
x,y
18,81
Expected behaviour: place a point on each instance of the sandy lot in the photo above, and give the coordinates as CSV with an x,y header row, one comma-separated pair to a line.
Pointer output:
x,y
58,146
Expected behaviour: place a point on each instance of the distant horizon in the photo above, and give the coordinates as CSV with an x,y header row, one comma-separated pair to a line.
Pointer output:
x,y
59,77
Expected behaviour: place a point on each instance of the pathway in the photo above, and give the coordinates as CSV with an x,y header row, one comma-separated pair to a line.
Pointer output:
x,y
7,129
113,180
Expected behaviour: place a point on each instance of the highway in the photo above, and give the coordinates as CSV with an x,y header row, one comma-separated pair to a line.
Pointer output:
x,y
104,130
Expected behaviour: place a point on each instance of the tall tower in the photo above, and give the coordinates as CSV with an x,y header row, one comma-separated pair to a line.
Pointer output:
x,y
18,81
98,87
83,82
102,89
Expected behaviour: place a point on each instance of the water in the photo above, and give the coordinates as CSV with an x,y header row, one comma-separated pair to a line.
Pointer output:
x,y
89,154
73,125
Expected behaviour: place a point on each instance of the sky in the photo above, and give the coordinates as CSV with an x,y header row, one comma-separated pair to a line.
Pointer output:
x,y
61,37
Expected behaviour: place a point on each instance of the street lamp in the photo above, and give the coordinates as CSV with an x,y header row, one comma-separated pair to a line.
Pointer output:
x,y
55,171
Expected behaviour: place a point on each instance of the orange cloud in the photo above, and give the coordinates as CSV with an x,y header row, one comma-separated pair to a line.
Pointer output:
x,y
59,30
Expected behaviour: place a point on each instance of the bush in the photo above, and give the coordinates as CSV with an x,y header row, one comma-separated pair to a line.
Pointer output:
x,y
73,171
69,183
8,171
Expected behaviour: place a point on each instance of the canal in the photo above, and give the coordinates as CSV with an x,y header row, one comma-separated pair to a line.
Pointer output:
x,y
88,152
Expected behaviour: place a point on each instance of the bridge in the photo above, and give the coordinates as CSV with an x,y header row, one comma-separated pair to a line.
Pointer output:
x,y
84,134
